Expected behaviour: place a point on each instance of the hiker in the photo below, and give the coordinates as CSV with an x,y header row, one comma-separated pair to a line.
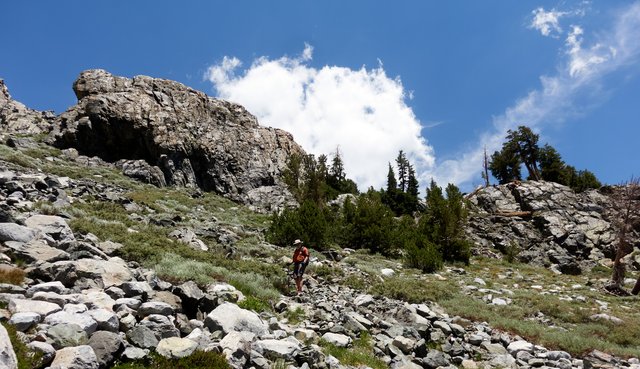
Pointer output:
x,y
300,261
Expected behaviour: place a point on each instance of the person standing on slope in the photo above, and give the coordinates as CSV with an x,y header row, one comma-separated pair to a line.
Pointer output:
x,y
300,261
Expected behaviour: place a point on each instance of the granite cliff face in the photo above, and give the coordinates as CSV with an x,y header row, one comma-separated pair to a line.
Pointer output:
x,y
152,126
547,224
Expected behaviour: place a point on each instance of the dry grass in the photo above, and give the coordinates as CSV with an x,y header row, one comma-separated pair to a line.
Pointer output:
x,y
11,275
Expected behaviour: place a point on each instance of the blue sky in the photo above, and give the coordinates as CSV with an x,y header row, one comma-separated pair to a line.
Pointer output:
x,y
438,79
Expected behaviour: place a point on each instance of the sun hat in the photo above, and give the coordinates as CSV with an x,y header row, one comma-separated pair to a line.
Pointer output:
x,y
296,242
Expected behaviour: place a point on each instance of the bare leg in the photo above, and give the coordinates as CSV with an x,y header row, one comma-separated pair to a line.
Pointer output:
x,y
298,284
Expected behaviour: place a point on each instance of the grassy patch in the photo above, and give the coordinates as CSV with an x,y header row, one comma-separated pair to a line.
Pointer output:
x,y
197,360
361,354
11,275
295,316
415,291
255,304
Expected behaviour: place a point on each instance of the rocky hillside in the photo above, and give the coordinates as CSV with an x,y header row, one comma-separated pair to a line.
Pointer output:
x,y
99,269
82,306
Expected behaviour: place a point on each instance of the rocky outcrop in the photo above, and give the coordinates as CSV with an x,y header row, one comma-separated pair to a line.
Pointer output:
x,y
544,223
191,138
15,118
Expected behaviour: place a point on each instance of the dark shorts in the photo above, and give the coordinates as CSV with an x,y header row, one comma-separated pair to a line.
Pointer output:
x,y
298,269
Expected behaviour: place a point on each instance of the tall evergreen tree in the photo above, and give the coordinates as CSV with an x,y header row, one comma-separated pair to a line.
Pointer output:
x,y
392,184
403,171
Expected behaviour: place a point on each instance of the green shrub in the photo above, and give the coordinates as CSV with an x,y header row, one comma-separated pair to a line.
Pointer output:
x,y
423,255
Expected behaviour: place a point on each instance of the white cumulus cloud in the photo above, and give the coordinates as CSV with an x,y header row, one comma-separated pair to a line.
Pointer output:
x,y
361,111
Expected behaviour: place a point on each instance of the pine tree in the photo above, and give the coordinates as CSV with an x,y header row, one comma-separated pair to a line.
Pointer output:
x,y
392,184
403,171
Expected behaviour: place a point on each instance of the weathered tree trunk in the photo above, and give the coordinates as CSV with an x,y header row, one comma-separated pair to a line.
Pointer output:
x,y
636,288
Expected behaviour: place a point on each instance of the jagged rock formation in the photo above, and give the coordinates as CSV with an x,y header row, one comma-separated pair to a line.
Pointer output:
x,y
193,139
546,222
17,118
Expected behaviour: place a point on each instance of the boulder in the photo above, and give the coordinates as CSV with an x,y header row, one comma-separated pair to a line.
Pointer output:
x,y
66,335
83,320
112,272
7,355
229,317
142,337
46,350
51,225
23,321
106,346
278,349
26,306
195,140
79,357
155,307
161,326
16,232
337,339
107,320
176,347
55,286
37,251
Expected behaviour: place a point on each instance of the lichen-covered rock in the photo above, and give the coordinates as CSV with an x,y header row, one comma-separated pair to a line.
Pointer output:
x,y
7,355
193,139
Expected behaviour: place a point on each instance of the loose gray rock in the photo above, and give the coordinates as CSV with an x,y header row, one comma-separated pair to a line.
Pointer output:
x,y
79,357
23,321
84,321
155,307
30,306
278,349
134,353
47,351
229,317
8,357
161,326
16,232
142,337
339,340
176,347
67,335
106,346
53,226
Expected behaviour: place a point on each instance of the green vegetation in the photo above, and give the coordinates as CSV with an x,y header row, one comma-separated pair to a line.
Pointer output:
x,y
197,360
389,222
361,354
295,316
27,359
521,148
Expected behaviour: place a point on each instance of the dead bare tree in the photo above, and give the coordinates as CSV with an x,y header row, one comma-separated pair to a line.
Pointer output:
x,y
625,218
485,168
